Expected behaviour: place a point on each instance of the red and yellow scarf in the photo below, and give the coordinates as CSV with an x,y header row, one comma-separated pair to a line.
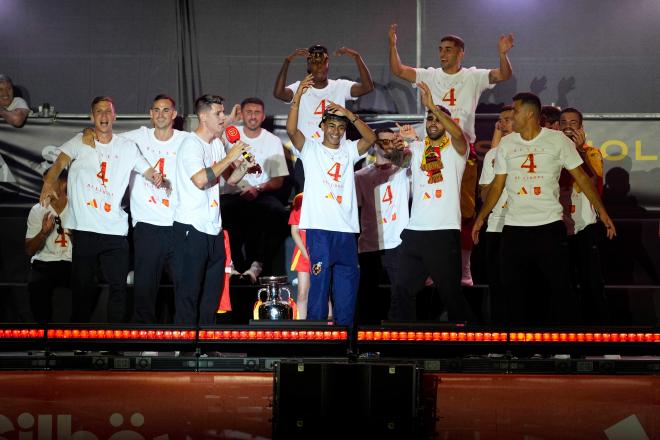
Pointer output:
x,y
432,159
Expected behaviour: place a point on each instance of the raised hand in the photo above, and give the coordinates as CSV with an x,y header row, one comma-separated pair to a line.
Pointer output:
x,y
427,97
305,84
235,115
505,43
300,52
47,223
48,193
237,150
346,51
392,34
407,131
337,109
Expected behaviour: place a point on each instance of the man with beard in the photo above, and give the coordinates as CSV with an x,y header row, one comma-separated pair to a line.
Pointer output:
x,y
458,88
431,242
383,190
253,214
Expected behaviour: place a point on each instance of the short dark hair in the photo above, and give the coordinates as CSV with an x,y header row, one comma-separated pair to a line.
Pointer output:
x,y
506,108
205,102
252,100
383,130
572,110
101,99
168,97
443,109
549,114
528,98
6,78
458,41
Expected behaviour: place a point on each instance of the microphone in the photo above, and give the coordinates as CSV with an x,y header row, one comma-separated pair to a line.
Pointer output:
x,y
233,135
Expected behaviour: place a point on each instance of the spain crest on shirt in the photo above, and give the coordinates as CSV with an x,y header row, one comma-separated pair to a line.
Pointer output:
x,y
537,190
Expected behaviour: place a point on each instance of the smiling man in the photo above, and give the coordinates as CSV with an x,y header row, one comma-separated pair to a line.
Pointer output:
x,y
252,213
98,178
329,209
13,109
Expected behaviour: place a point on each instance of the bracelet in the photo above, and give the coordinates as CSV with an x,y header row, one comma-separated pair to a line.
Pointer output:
x,y
210,175
356,118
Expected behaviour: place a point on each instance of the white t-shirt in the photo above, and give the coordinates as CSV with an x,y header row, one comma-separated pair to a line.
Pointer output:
x,y
436,206
532,169
17,103
150,204
578,211
57,246
458,92
330,202
314,101
198,207
383,195
268,152
98,178
496,217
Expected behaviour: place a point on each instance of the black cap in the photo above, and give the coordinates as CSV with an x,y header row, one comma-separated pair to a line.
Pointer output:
x,y
317,53
327,114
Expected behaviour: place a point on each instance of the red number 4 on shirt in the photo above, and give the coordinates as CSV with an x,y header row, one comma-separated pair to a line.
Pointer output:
x,y
335,172
529,164
449,97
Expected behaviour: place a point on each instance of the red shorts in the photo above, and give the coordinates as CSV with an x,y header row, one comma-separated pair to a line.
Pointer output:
x,y
298,261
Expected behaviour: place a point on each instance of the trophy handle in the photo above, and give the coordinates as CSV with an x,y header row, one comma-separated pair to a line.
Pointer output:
x,y
286,289
264,289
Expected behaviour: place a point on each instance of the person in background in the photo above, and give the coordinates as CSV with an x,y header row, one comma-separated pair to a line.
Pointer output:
x,y
49,247
13,109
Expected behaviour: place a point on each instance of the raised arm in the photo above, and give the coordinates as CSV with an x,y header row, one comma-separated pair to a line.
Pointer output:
x,y
368,137
494,193
36,243
504,71
366,84
297,137
49,189
590,191
206,175
280,91
399,70
458,139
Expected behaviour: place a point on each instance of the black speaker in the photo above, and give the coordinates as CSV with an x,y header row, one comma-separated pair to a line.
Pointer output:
x,y
345,400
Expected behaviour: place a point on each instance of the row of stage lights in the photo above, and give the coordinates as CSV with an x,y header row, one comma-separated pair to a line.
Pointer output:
x,y
336,335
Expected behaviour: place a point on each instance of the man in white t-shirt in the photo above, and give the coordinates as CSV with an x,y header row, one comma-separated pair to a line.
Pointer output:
x,y
329,209
199,250
503,127
582,223
324,90
98,178
534,251
13,109
48,245
383,192
431,242
252,213
458,89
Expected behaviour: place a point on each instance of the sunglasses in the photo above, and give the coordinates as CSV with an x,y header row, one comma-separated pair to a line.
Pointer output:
x,y
58,222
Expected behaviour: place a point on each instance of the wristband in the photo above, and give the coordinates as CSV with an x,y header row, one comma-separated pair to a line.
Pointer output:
x,y
356,118
210,175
